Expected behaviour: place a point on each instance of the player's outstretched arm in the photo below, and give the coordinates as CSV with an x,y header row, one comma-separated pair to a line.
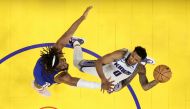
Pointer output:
x,y
146,85
64,39
66,78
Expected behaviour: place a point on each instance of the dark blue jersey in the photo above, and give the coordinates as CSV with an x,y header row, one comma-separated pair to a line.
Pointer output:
x,y
42,77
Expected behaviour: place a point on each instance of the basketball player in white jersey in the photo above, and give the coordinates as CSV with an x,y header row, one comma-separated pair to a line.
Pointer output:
x,y
117,68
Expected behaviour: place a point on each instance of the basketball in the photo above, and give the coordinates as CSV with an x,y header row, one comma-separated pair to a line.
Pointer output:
x,y
162,73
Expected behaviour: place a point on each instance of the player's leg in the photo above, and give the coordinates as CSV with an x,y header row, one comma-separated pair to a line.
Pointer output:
x,y
41,89
39,84
87,66
77,56
87,69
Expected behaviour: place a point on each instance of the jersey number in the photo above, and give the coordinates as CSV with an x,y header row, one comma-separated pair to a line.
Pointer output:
x,y
117,73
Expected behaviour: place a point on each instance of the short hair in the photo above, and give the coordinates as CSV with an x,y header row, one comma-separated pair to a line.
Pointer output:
x,y
141,52
49,54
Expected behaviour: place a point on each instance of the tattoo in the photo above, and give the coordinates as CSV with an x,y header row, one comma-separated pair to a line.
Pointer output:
x,y
143,79
141,70
150,85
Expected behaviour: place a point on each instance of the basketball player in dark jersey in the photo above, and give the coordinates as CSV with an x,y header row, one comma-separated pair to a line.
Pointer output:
x,y
52,67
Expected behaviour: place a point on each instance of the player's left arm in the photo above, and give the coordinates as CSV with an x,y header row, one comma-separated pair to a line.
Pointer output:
x,y
146,85
64,39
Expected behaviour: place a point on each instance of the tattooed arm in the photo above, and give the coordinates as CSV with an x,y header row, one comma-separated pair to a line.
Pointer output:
x,y
143,79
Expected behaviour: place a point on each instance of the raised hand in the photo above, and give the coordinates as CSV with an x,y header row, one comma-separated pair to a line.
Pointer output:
x,y
86,11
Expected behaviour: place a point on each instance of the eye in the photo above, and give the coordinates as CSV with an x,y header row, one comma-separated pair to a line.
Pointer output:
x,y
132,55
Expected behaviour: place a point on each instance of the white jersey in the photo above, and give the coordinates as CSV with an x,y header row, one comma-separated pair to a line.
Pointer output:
x,y
117,70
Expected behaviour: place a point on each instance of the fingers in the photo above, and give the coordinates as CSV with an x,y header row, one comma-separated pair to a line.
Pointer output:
x,y
110,91
90,7
111,82
107,85
110,88
86,11
102,90
109,79
110,85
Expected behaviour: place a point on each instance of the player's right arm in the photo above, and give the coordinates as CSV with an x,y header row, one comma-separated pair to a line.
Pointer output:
x,y
146,85
106,59
66,78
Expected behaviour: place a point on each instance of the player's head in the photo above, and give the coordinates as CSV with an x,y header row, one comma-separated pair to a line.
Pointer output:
x,y
53,59
138,54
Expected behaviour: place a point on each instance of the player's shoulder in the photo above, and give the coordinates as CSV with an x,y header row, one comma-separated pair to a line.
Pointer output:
x,y
123,51
119,52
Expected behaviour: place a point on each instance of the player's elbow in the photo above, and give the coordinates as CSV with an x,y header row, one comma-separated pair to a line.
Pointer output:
x,y
145,87
98,62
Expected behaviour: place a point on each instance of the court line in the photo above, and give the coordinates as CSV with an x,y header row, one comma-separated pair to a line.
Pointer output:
x,y
68,46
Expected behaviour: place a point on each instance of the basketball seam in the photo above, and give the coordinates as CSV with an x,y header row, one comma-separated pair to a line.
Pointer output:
x,y
165,76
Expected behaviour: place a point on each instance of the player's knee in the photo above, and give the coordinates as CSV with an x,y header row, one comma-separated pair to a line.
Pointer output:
x,y
145,88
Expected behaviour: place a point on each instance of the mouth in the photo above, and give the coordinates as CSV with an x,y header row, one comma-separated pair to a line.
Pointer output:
x,y
66,65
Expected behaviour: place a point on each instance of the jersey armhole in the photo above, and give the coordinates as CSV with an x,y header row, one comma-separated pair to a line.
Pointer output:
x,y
58,74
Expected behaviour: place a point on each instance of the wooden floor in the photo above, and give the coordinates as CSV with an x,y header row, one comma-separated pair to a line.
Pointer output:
x,y
161,26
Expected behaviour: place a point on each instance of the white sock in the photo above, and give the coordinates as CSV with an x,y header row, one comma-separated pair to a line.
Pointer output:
x,y
88,84
76,43
77,55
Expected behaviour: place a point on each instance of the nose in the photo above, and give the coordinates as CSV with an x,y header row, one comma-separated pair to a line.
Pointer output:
x,y
132,60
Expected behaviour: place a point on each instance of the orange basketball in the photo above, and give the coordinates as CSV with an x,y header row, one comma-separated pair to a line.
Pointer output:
x,y
162,73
